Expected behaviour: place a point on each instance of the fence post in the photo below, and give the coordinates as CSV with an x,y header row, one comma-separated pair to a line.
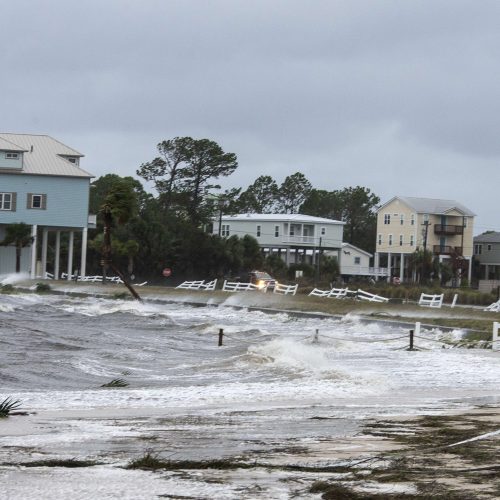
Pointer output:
x,y
411,341
495,340
221,334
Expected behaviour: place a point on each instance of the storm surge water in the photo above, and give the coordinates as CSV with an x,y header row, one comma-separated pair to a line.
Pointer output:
x,y
277,382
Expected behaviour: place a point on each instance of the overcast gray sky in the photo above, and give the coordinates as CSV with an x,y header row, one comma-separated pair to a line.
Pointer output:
x,y
400,96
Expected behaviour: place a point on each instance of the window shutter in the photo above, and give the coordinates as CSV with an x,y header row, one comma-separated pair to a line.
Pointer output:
x,y
44,202
13,203
28,200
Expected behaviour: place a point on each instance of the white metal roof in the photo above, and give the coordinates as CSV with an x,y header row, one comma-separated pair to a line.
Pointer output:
x,y
43,155
432,205
6,145
295,218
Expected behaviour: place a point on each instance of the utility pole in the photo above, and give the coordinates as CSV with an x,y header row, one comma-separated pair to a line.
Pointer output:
x,y
422,278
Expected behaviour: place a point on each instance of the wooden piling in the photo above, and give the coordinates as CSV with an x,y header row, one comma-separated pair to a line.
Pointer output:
x,y
221,334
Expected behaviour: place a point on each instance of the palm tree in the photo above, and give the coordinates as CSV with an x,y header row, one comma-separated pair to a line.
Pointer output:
x,y
18,235
119,206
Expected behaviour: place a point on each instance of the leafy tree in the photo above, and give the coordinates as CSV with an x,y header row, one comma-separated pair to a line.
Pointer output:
x,y
18,235
260,197
275,265
293,192
321,203
421,263
360,217
252,255
184,174
356,206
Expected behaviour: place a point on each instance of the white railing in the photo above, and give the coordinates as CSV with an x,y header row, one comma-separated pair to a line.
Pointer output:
x,y
370,297
191,285
429,300
198,285
363,271
333,293
236,286
495,307
91,279
285,289
310,240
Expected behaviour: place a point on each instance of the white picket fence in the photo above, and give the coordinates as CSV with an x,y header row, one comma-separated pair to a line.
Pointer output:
x,y
429,300
333,293
198,285
370,297
495,307
236,286
91,279
285,289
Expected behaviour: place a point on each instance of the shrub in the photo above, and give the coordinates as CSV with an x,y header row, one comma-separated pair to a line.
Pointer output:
x,y
7,406
42,287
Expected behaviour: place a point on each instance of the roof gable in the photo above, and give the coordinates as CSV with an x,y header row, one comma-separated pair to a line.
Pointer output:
x,y
44,155
431,205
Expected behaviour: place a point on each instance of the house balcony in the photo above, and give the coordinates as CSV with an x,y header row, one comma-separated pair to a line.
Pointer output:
x,y
448,230
363,271
446,250
301,240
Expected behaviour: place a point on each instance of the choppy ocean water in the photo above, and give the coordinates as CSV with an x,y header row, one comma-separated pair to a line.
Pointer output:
x,y
272,388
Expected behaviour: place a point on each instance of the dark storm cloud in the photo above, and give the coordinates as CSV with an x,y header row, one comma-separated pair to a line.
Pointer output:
x,y
397,96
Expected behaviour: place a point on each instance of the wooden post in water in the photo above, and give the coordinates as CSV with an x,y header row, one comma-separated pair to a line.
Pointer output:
x,y
316,337
411,341
221,334
495,340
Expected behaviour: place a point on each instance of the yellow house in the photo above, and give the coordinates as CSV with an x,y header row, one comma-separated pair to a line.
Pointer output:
x,y
406,224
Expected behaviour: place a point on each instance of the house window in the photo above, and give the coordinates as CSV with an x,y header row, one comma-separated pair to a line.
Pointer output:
x,y
390,239
259,231
323,231
225,230
400,240
12,156
387,218
37,201
488,248
6,201
402,219
412,241
478,250
276,231
72,160
465,221
412,220
380,239
357,260
426,217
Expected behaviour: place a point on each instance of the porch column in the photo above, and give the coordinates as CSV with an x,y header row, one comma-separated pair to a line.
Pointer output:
x,y
70,254
402,268
287,257
45,239
58,255
389,267
469,271
376,263
84,252
34,242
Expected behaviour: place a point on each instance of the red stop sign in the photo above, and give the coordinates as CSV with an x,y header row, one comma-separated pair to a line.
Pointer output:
x,y
167,272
